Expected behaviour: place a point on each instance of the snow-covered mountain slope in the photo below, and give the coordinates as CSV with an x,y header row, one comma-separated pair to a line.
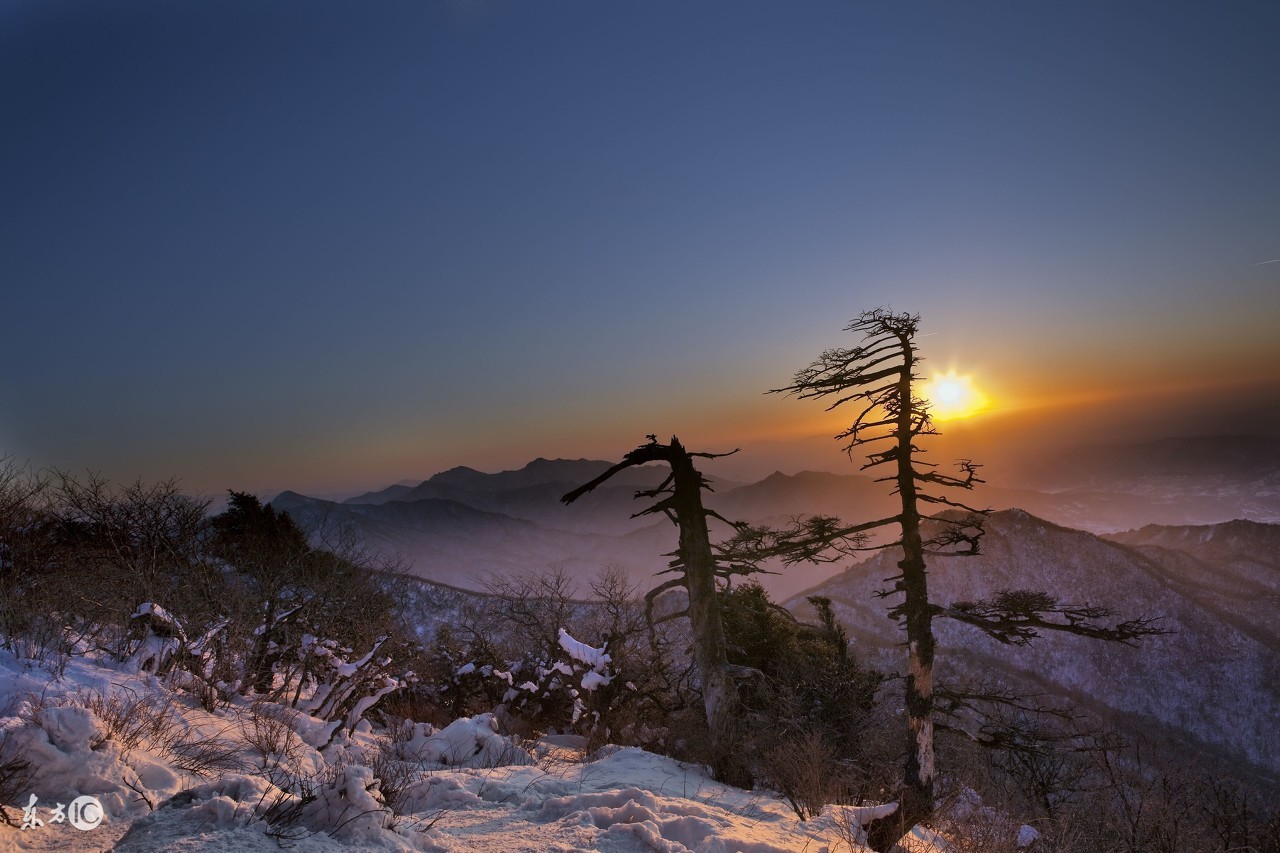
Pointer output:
x,y
1210,677
1231,568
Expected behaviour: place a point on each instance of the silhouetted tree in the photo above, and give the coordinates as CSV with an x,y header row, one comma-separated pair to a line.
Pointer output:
x,y
270,552
31,583
130,544
679,497
878,378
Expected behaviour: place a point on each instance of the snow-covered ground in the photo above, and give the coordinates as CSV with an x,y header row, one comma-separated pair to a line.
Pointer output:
x,y
161,773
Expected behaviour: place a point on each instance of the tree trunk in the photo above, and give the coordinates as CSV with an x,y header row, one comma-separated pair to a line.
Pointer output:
x,y
719,693
915,800
259,672
697,561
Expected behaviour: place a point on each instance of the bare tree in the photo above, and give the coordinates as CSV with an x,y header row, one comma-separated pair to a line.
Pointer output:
x,y
679,497
26,545
127,545
877,378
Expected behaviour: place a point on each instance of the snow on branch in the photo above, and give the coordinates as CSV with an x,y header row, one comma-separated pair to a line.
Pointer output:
x,y
595,658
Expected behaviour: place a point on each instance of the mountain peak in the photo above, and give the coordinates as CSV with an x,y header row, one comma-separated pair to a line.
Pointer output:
x,y
289,499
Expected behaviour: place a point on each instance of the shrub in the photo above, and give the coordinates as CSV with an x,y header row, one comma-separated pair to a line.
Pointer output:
x,y
16,773
807,688
268,729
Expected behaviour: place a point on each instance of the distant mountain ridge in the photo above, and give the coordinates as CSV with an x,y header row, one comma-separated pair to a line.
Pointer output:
x,y
539,472
599,530
1233,568
454,543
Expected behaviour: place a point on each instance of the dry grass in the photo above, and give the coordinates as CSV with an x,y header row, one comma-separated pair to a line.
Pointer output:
x,y
131,721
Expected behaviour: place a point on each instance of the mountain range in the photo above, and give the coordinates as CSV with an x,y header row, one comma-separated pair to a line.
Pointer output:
x,y
1181,529
462,525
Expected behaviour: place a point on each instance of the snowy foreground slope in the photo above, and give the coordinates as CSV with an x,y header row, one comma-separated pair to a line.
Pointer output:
x,y
168,775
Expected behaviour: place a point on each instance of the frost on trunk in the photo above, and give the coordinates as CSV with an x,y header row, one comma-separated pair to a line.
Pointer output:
x,y
679,497
920,677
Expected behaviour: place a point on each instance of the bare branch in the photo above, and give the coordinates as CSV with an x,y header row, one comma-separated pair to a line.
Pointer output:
x,y
1016,617
811,539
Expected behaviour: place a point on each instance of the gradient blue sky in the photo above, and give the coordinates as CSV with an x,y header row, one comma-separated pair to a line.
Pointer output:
x,y
328,245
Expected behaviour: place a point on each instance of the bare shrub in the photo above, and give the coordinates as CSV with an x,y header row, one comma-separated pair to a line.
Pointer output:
x,y
130,720
268,729
130,544
304,803
284,805
399,735
16,772
203,755
126,719
207,694
283,811
395,776
987,834
29,586
149,721
806,771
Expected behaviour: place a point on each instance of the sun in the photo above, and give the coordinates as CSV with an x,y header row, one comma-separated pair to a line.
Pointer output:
x,y
952,397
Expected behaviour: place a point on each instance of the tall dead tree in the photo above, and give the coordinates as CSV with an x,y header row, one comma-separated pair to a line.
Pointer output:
x,y
877,378
679,497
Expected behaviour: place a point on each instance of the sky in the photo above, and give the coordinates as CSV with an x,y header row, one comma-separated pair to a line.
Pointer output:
x,y
328,245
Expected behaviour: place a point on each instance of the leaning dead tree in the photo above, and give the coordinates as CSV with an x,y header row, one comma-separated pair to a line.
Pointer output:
x,y
696,569
877,379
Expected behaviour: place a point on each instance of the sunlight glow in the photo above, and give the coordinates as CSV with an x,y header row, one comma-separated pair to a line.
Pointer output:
x,y
952,397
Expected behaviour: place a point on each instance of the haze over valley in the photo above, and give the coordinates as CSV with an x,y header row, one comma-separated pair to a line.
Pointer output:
x,y
461,525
